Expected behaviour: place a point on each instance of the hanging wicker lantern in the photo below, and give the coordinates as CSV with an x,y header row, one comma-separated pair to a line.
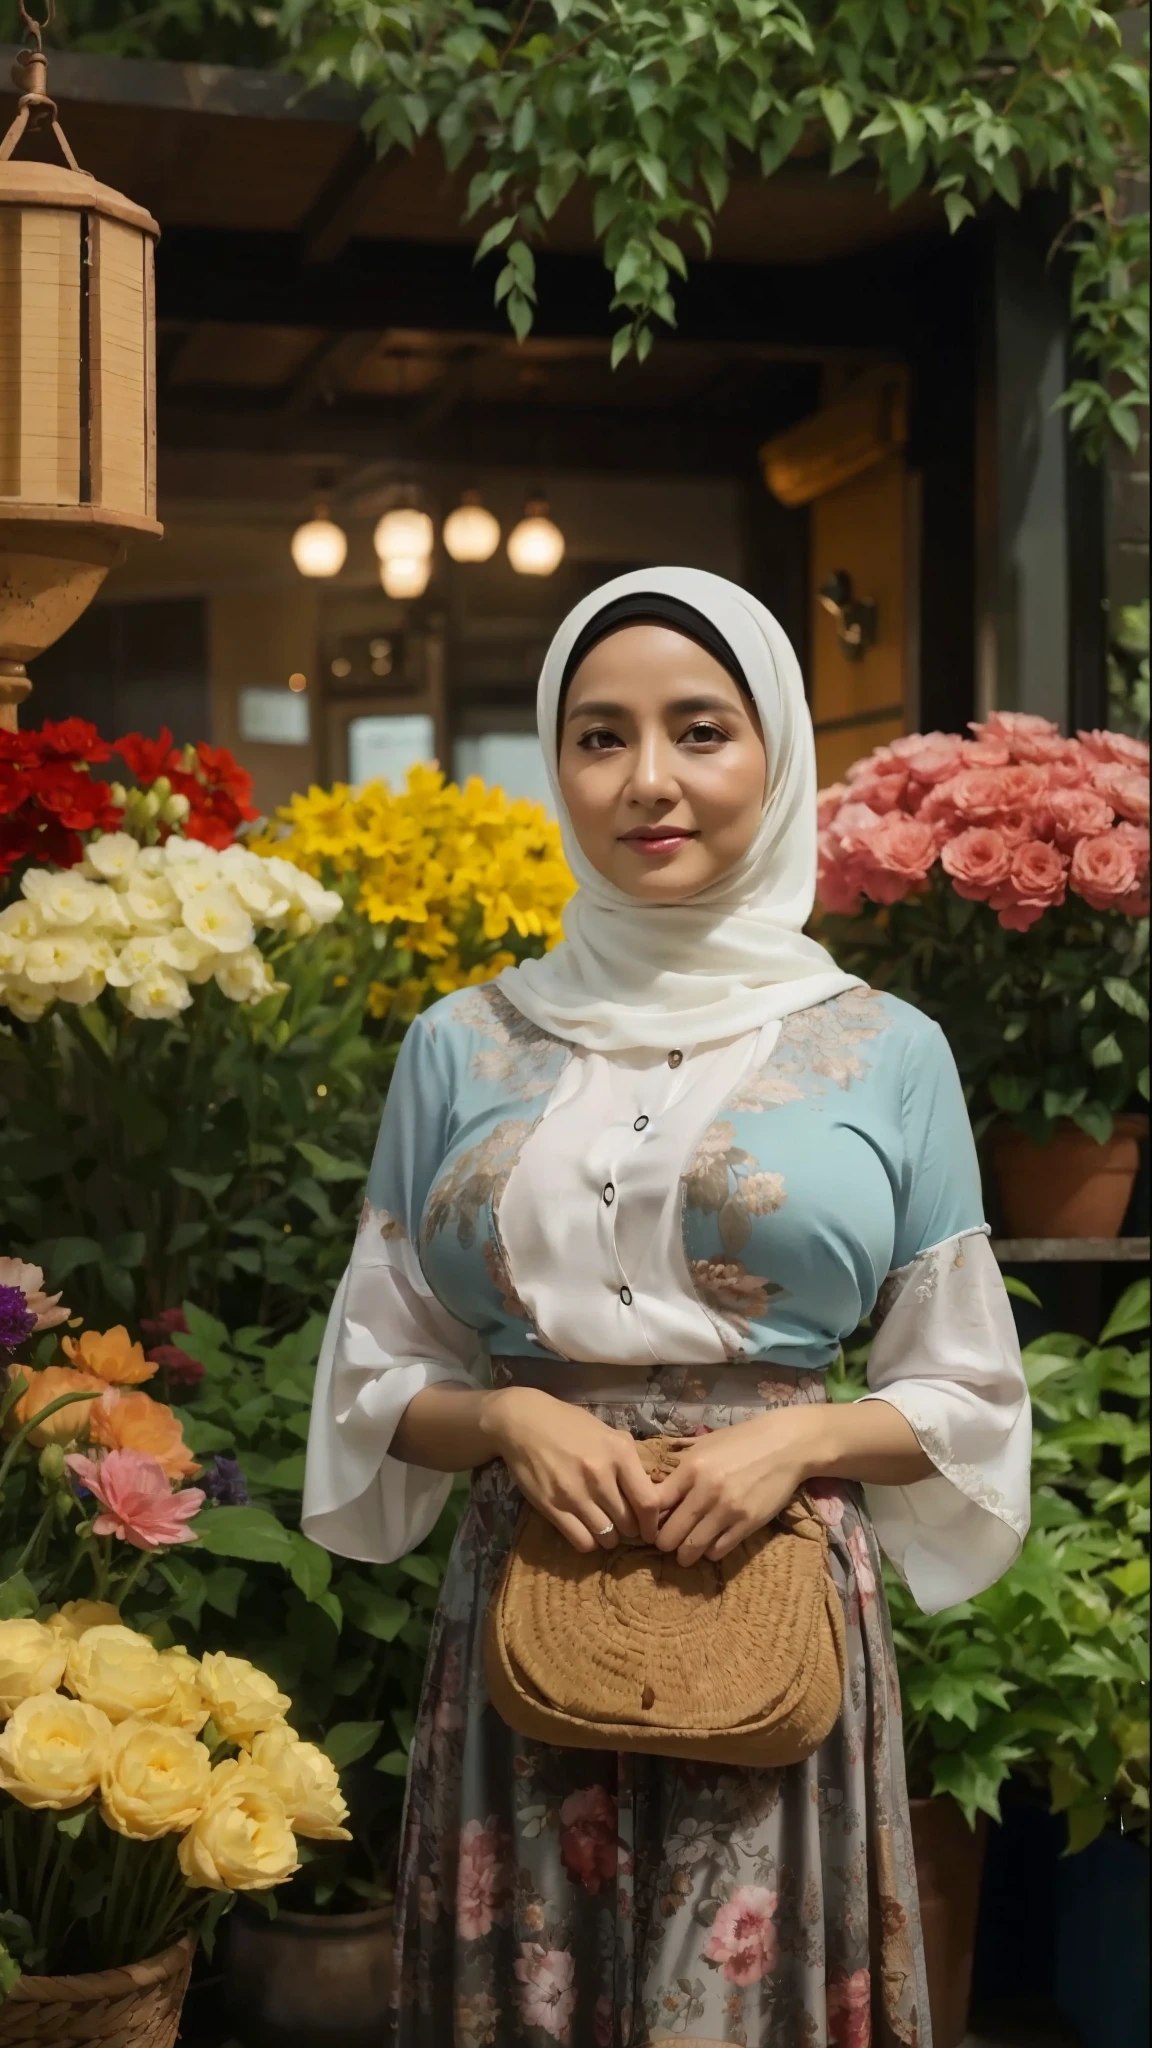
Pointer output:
x,y
77,384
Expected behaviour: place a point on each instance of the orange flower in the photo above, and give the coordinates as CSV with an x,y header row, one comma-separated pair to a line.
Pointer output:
x,y
135,1422
45,1387
111,1356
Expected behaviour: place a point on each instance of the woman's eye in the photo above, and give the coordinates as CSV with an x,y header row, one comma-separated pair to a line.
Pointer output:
x,y
598,741
704,734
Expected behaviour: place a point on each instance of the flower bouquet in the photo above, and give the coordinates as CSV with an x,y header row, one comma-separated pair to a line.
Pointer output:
x,y
141,1789
1000,883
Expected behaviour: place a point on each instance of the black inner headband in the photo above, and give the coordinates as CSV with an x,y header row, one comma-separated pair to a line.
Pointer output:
x,y
651,608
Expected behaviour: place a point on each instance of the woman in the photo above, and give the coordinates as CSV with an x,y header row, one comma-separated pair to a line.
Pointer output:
x,y
652,1181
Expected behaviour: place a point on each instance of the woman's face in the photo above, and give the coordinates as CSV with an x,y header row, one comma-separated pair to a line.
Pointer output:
x,y
662,764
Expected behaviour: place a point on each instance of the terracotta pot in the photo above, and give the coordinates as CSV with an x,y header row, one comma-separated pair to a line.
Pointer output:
x,y
1071,1187
949,1865
137,2006
309,1980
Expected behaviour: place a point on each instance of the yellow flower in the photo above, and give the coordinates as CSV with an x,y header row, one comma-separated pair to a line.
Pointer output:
x,y
70,1621
153,1780
242,1700
122,1673
32,1660
188,1707
111,1355
241,1842
67,1424
51,1751
307,1782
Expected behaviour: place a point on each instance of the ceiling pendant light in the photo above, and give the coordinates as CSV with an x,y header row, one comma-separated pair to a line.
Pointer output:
x,y
405,575
404,534
536,545
471,532
319,547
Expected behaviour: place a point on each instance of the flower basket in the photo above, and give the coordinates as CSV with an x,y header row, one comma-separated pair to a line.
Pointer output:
x,y
137,2006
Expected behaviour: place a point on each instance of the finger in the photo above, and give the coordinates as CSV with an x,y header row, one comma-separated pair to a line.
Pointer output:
x,y
728,1541
677,1526
577,1532
673,1489
699,1541
642,1495
609,1495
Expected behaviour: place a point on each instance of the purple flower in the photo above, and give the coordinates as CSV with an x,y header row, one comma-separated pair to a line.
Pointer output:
x,y
17,1320
224,1482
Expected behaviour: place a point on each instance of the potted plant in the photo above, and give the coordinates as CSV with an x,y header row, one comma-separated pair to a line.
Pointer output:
x,y
1044,1676
1000,883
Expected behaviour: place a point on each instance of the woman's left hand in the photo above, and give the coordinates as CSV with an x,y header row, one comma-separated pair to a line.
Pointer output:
x,y
733,1481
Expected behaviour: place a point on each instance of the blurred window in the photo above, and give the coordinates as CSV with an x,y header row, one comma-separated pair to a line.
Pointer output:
x,y
510,761
388,746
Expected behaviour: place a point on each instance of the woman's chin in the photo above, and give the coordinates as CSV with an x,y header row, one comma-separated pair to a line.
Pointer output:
x,y
655,878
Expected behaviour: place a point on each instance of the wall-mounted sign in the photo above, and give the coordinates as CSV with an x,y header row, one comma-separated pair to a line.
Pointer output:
x,y
274,717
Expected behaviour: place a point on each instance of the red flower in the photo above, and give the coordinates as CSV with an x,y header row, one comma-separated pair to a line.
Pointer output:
x,y
166,1324
73,739
588,1836
147,759
182,1372
48,796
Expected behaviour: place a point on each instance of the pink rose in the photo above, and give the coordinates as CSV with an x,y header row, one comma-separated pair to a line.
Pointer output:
x,y
853,827
897,853
828,802
1015,827
547,1998
828,1501
1126,789
1078,814
1119,747
1036,882
979,795
986,753
930,757
977,861
1070,769
483,1879
136,1495
850,2009
837,879
743,1939
882,789
588,1836
1105,870
862,1565
1017,728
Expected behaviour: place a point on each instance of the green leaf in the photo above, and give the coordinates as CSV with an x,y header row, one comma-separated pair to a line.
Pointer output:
x,y
1131,1579
378,1614
1106,1052
326,1166
311,1567
73,1824
394,1763
252,1533
1130,1314
493,238
210,1185
837,110
958,209
1021,1290
424,1569
222,1589
1126,996
348,1741
61,1256
18,1598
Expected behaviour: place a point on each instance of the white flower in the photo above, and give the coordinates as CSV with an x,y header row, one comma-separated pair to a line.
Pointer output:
x,y
111,856
182,950
159,993
25,1002
60,957
150,861
66,899
263,894
218,919
181,853
244,977
111,914
11,953
85,988
139,957
150,900
21,920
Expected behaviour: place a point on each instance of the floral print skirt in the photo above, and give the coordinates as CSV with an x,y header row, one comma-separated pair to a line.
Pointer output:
x,y
624,1901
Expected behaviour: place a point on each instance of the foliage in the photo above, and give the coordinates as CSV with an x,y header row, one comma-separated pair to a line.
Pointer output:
x,y
990,883
652,109
1046,1673
185,31
1128,672
454,883
347,1640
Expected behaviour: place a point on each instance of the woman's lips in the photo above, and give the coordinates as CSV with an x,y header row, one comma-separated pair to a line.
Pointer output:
x,y
657,842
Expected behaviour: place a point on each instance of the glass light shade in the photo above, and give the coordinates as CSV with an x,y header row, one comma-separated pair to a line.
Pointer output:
x,y
319,548
405,534
471,532
405,575
536,545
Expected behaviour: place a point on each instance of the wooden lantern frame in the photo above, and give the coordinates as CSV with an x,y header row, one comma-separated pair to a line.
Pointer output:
x,y
77,384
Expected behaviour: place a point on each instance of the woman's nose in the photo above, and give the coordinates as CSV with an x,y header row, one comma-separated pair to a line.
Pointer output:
x,y
654,777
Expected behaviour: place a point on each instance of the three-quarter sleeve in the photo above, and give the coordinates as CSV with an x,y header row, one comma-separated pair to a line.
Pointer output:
x,y
387,1338
947,1355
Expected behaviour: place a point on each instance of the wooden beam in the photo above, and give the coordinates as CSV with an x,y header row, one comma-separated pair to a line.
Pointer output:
x,y
225,89
336,212
323,370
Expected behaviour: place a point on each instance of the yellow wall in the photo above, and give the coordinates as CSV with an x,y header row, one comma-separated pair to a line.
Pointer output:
x,y
863,528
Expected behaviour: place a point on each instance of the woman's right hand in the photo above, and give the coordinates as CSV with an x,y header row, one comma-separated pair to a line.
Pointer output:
x,y
579,1472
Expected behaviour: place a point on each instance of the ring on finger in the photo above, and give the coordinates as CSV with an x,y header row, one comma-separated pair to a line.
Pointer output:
x,y
609,1529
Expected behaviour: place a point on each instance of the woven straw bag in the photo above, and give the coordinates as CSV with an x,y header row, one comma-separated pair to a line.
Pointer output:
x,y
740,1662
137,2006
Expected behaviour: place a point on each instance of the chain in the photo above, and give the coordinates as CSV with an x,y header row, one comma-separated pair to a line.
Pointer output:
x,y
34,29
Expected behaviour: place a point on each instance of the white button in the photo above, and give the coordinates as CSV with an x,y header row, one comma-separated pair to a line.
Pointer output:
x,y
675,1059
640,1124
626,1296
609,1194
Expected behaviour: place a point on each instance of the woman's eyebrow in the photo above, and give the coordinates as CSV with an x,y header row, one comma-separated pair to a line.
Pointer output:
x,y
683,707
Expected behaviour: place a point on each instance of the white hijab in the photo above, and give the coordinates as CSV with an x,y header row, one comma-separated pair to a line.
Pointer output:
x,y
629,974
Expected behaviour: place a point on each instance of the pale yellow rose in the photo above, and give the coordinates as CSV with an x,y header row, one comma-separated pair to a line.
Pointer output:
x,y
307,1782
153,1780
70,1622
32,1660
51,1751
241,1699
122,1673
242,1841
188,1708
